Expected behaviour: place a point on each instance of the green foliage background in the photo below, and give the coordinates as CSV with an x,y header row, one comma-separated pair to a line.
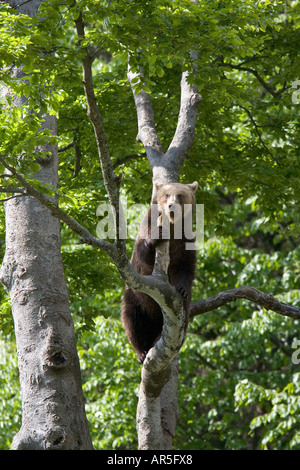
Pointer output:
x,y
239,388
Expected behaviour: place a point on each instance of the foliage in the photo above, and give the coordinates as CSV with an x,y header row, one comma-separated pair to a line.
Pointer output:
x,y
10,400
110,384
236,364
238,385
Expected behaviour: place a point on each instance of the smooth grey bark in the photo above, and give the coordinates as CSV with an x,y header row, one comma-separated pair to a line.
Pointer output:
x,y
266,301
157,410
166,165
32,272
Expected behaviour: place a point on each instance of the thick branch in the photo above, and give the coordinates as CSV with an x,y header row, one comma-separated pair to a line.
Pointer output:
x,y
185,131
147,132
244,292
160,356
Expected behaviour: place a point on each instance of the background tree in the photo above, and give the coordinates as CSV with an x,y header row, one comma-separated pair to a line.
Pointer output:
x,y
32,272
236,365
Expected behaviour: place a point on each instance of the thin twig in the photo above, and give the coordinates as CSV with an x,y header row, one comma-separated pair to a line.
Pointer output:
x,y
266,85
147,132
67,147
259,134
13,197
52,205
127,159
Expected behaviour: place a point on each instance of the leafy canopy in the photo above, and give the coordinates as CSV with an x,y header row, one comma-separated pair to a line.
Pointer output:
x,y
238,385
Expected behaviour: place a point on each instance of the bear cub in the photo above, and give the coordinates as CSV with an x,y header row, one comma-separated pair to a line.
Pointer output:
x,y
141,315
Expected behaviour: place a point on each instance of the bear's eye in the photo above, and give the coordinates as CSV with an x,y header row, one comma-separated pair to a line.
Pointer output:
x,y
180,197
167,196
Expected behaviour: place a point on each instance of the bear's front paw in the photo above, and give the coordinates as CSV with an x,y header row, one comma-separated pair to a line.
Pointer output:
x,y
152,243
181,290
142,357
155,242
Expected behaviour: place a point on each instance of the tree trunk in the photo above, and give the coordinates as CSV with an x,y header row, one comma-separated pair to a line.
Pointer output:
x,y
157,411
32,272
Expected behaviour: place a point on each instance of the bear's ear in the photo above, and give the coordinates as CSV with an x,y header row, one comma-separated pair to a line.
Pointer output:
x,y
194,186
158,186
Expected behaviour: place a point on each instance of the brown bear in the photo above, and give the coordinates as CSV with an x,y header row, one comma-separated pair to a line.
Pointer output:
x,y
141,315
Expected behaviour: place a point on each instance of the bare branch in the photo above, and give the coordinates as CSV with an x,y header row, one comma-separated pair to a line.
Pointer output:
x,y
11,189
244,292
47,201
111,181
95,116
11,197
185,131
147,133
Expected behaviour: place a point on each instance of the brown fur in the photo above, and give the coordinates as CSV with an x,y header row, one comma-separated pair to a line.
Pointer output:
x,y
141,315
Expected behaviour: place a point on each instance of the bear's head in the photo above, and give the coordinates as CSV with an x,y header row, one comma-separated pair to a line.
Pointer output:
x,y
175,200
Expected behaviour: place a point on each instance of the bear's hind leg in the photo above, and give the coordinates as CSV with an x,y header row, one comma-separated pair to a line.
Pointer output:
x,y
141,328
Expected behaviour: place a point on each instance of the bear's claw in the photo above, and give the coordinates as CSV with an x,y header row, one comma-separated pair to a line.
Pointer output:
x,y
142,357
181,290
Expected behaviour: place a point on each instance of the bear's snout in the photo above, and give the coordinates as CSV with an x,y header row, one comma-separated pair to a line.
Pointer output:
x,y
175,210
172,207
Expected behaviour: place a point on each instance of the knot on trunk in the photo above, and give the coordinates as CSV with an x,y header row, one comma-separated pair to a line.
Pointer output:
x,y
54,357
195,99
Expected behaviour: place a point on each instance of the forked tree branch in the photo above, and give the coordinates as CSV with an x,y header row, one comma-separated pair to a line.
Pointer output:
x,y
166,166
244,292
185,130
